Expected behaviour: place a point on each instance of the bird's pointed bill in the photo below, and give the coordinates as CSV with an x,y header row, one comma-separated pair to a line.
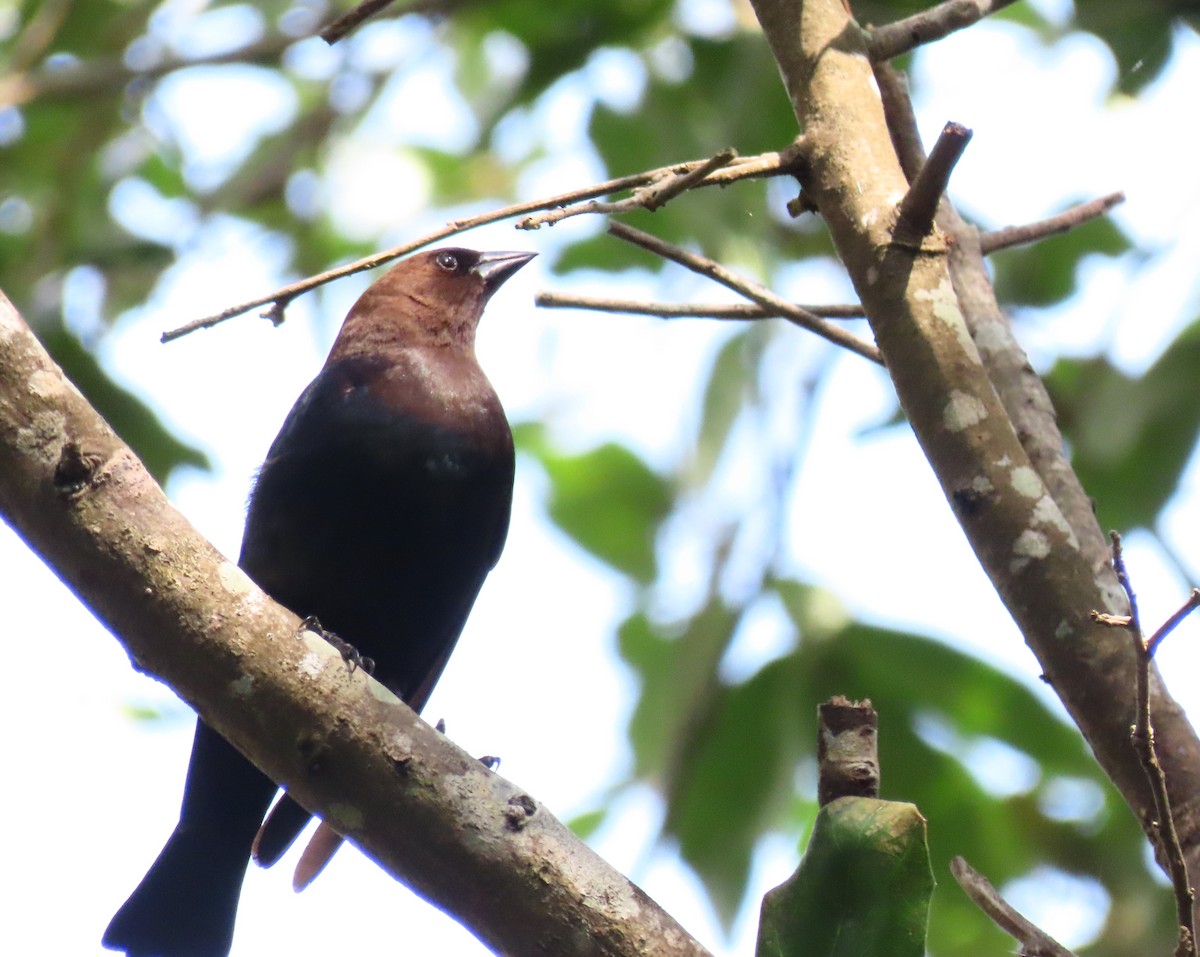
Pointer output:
x,y
495,267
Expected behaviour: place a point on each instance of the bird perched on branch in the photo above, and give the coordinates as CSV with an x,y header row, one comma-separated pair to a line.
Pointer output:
x,y
382,505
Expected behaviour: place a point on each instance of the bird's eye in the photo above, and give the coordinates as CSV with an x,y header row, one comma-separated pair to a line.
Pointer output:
x,y
448,261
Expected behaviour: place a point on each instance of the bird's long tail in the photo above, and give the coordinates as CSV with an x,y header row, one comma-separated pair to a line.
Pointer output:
x,y
186,904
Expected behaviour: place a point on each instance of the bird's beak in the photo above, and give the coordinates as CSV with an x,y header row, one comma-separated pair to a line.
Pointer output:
x,y
495,268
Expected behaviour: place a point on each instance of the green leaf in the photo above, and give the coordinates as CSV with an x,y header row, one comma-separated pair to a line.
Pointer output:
x,y
677,669
562,35
585,825
1131,437
1047,272
733,780
724,397
1139,35
610,503
689,119
726,757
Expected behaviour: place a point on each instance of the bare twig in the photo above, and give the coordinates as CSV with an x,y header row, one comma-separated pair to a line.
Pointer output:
x,y
37,34
719,170
650,197
1168,847
684,310
90,78
765,164
900,117
352,18
1034,941
1061,223
751,290
920,203
902,127
337,29
893,39
654,196
1168,626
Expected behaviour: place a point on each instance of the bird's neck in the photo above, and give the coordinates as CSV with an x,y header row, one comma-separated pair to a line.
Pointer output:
x,y
371,337
387,321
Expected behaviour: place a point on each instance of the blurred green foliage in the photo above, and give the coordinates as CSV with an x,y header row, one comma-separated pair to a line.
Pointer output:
x,y
79,117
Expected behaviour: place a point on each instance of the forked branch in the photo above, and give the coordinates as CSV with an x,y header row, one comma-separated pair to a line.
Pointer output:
x,y
665,182
1167,843
894,39
746,287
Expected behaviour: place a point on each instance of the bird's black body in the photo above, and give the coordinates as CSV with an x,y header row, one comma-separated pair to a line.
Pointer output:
x,y
382,505
420,520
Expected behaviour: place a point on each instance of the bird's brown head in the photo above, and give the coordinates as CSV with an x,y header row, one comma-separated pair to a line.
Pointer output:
x,y
434,298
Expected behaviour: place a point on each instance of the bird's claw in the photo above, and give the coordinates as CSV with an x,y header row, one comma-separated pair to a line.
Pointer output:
x,y
351,655
489,761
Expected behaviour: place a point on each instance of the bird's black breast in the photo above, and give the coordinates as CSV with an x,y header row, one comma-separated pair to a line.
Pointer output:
x,y
379,521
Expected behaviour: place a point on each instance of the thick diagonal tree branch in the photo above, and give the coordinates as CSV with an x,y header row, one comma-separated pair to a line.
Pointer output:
x,y
1019,387
347,749
1018,531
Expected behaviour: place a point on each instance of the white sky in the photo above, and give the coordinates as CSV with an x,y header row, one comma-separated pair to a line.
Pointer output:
x,y
94,794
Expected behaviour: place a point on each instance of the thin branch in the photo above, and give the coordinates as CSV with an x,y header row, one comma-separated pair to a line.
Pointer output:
x,y
351,18
1168,626
649,197
783,163
37,35
751,290
893,39
684,310
1168,846
765,164
920,203
900,118
1034,941
91,78
1068,219
337,29
902,127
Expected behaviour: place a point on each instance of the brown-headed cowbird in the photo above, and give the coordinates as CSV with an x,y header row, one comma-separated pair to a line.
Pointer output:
x,y
382,505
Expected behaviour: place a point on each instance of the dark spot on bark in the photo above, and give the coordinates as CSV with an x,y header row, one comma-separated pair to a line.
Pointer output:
x,y
75,469
521,807
314,749
969,501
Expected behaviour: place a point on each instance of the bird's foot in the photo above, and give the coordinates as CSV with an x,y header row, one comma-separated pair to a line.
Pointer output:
x,y
489,761
351,655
